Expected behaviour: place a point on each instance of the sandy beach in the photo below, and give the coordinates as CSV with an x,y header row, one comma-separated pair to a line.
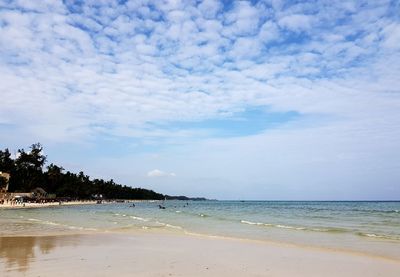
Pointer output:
x,y
44,205
164,254
28,205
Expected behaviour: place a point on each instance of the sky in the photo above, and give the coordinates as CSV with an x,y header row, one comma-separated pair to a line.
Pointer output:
x,y
274,99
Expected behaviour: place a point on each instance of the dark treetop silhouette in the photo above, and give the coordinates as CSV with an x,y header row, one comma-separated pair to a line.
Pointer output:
x,y
27,172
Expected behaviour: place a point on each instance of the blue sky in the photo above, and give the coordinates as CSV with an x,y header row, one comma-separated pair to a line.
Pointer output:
x,y
223,99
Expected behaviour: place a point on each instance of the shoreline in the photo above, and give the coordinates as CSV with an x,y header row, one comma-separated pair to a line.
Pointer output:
x,y
45,205
66,203
161,254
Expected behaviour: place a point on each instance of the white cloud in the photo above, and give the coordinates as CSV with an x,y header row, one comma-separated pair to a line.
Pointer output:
x,y
242,20
391,35
209,8
296,22
269,32
245,48
159,173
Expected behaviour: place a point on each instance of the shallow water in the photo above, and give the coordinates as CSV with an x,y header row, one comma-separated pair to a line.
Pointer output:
x,y
371,227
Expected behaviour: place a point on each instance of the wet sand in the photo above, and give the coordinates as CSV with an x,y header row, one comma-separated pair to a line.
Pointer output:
x,y
164,254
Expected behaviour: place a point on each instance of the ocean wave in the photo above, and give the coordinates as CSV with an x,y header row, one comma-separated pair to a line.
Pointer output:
x,y
290,227
370,235
173,226
51,223
267,224
251,223
169,225
44,221
272,225
376,211
75,228
139,218
299,228
379,236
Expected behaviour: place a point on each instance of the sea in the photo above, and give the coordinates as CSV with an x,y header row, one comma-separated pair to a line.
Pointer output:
x,y
371,228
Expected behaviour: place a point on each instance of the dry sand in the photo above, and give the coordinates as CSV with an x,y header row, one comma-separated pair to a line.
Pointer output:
x,y
155,254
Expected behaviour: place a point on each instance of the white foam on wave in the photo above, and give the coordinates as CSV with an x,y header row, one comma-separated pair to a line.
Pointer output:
x,y
248,222
173,226
76,228
169,225
290,227
80,228
272,225
52,223
372,235
319,230
251,223
139,218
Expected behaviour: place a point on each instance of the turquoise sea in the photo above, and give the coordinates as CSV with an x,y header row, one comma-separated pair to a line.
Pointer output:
x,y
368,227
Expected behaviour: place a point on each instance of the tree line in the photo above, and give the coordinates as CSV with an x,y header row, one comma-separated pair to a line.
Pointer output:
x,y
28,171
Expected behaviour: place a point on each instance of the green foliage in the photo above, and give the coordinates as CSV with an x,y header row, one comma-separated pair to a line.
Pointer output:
x,y
27,173
6,163
28,169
